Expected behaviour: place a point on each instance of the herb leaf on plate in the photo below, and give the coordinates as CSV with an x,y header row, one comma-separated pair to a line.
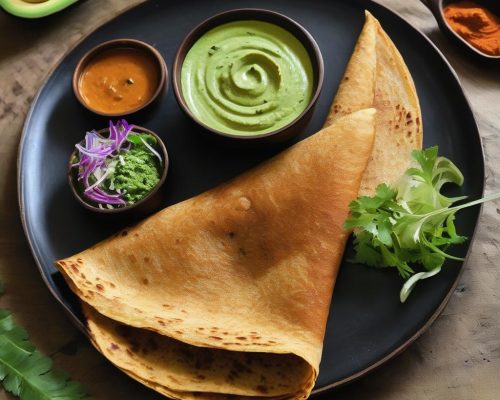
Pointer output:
x,y
25,372
410,224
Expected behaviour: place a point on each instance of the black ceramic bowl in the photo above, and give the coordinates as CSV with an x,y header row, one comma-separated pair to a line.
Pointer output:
x,y
152,202
298,124
437,6
161,78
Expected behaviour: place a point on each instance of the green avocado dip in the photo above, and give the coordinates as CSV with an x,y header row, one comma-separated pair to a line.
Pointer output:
x,y
247,78
117,170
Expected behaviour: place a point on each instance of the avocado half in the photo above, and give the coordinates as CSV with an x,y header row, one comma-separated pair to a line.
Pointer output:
x,y
34,8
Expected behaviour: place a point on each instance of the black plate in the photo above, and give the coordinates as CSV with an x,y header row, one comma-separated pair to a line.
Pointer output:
x,y
367,323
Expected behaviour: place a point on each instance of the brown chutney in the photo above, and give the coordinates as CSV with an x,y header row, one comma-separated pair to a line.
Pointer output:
x,y
120,80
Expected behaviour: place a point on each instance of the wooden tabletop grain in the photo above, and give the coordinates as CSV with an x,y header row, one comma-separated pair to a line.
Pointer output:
x,y
457,358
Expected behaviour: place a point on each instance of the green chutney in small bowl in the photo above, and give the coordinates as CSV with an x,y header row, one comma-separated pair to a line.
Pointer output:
x,y
248,78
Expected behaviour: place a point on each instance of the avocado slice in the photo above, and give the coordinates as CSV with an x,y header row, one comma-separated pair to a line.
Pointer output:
x,y
34,8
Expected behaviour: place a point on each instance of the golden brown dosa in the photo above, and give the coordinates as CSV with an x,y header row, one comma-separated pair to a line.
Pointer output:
x,y
376,76
247,267
155,359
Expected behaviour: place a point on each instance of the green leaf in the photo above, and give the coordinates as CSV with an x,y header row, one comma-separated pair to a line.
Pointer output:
x,y
25,372
135,138
410,283
412,225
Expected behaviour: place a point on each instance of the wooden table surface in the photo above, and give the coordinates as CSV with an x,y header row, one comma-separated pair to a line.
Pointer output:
x,y
457,358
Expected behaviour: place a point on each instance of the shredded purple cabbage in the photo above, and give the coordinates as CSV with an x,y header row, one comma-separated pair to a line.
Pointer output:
x,y
92,156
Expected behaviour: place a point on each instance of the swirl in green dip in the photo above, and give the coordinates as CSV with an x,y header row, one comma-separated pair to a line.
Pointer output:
x,y
247,78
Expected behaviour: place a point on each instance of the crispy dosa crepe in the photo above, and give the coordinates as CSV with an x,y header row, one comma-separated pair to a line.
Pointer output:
x,y
155,359
376,76
246,268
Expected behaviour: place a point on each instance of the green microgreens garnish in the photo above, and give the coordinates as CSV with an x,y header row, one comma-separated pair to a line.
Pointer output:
x,y
412,223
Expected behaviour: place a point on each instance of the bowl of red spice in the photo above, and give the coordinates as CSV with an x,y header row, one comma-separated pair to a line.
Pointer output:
x,y
473,25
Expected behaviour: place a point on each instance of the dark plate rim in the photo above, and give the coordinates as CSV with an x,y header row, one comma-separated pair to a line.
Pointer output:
x,y
349,379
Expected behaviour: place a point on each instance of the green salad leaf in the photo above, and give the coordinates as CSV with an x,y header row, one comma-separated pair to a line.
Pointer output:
x,y
412,223
25,372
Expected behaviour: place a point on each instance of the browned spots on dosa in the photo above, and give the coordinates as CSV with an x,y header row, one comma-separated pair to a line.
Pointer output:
x,y
124,233
271,342
240,368
63,263
200,329
145,281
215,337
79,261
75,269
147,259
132,258
161,322
199,376
82,275
241,338
179,332
130,353
99,287
167,306
112,284
173,379
114,346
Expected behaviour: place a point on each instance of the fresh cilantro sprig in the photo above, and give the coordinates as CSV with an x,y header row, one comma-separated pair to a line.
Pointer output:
x,y
25,372
412,223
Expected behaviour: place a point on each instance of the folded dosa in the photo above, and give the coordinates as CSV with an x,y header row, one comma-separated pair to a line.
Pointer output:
x,y
377,76
245,270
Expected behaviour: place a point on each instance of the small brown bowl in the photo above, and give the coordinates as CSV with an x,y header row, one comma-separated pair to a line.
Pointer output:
x,y
298,124
150,51
437,7
147,205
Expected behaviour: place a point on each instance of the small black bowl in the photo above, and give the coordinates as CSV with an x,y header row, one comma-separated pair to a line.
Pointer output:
x,y
146,49
437,6
147,205
298,124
